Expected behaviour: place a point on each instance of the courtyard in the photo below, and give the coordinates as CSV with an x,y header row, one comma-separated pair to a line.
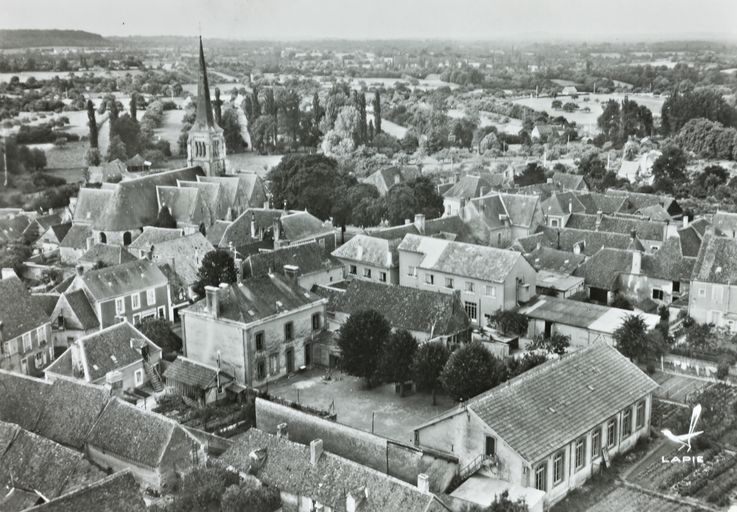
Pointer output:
x,y
394,417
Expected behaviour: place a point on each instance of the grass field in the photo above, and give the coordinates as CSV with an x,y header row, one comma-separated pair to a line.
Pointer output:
x,y
171,128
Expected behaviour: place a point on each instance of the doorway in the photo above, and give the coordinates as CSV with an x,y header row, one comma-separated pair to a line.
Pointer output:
x,y
290,360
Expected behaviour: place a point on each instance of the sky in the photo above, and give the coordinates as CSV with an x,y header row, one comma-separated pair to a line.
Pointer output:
x,y
384,19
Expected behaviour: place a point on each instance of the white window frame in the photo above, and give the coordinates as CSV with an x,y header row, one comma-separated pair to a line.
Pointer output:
x,y
558,477
120,305
429,279
382,277
469,307
626,429
151,296
611,440
136,301
469,287
449,282
138,377
640,418
579,452
412,271
24,366
27,341
542,469
38,359
353,270
657,291
595,445
491,291
367,273
41,333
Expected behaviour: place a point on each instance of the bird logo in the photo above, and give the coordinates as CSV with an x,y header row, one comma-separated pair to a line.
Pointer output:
x,y
685,439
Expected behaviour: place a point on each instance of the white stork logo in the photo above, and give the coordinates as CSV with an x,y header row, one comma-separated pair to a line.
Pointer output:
x,y
685,439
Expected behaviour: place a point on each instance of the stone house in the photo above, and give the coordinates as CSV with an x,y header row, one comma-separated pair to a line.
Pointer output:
x,y
72,318
311,263
504,218
713,293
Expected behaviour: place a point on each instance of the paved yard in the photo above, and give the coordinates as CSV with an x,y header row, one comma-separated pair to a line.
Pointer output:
x,y
394,417
677,388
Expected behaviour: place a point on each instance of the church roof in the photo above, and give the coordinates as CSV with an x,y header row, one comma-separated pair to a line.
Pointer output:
x,y
204,117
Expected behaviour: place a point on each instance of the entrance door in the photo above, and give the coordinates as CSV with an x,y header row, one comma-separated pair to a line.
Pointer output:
x,y
308,354
548,329
290,360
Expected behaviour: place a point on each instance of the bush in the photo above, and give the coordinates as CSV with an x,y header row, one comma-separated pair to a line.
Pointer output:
x,y
723,370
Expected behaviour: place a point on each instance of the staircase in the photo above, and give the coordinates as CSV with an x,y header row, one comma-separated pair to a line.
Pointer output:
x,y
153,377
470,468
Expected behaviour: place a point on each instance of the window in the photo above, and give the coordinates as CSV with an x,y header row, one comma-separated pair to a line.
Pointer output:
x,y
24,366
51,354
382,277
490,446
657,294
261,370
702,292
136,319
259,340
490,290
471,310
27,343
41,334
321,242
6,349
316,321
449,282
554,223
273,364
119,306
541,477
139,377
626,423
288,331
640,415
135,301
716,293
39,359
580,453
595,443
151,296
558,463
411,271
469,286
611,433
676,287
429,279
162,312
353,270
367,273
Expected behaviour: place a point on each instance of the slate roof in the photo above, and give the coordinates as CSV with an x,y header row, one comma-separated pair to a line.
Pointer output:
x,y
244,187
12,228
595,202
82,309
184,254
369,250
47,301
567,181
725,223
186,205
440,314
654,212
109,254
60,230
717,261
76,237
546,258
469,187
22,399
298,226
645,229
518,207
216,232
212,195
91,203
116,493
668,262
386,178
152,235
638,200
690,240
109,282
562,203
548,407
602,270
19,312
137,435
309,257
567,239
287,467
193,373
257,297
468,260
450,228
133,203
238,232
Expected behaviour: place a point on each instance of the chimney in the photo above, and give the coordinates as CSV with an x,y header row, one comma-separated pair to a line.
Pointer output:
x,y
229,214
557,240
636,262
281,431
213,300
482,191
685,221
266,204
570,206
285,207
90,242
456,176
397,179
406,222
150,253
420,223
315,451
253,225
291,272
423,483
633,234
256,459
354,499
80,270
277,231
599,216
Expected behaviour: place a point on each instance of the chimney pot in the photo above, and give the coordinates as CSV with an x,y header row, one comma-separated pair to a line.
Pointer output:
x,y
291,272
281,431
685,221
423,483
213,300
420,223
315,451
90,242
80,270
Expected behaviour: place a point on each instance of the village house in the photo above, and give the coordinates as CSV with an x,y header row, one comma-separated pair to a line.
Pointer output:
x,y
427,315
713,293
551,427
637,202
103,255
132,291
50,240
119,355
312,264
72,318
261,329
466,188
503,218
559,207
586,324
75,243
577,241
370,258
555,271
199,382
386,178
651,234
187,207
725,224
13,225
566,181
310,478
489,279
25,330
152,235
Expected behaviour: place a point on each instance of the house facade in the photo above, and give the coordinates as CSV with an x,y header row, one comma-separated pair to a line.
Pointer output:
x,y
713,294
370,258
489,279
262,329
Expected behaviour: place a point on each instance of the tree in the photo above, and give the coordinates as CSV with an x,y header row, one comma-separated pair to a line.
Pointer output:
x,y
401,204
509,322
217,267
238,498
262,134
502,503
429,202
669,169
361,340
203,489
134,107
633,341
346,133
217,107
159,331
471,370
377,111
397,357
165,219
92,157
682,106
428,364
129,133
231,126
532,174
556,343
92,123
116,150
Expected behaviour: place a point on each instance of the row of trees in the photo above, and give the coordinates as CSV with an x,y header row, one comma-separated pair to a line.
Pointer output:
x,y
619,121
682,106
708,139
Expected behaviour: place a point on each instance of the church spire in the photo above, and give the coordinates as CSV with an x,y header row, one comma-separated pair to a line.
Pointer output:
x,y
204,107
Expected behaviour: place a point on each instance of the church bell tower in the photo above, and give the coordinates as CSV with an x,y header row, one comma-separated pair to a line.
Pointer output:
x,y
205,144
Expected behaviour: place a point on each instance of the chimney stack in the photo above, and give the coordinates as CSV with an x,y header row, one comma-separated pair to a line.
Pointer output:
x,y
456,177
599,216
420,223
315,451
253,225
213,300
354,499
423,483
80,270
90,242
281,431
636,262
291,272
277,231
570,206
685,221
